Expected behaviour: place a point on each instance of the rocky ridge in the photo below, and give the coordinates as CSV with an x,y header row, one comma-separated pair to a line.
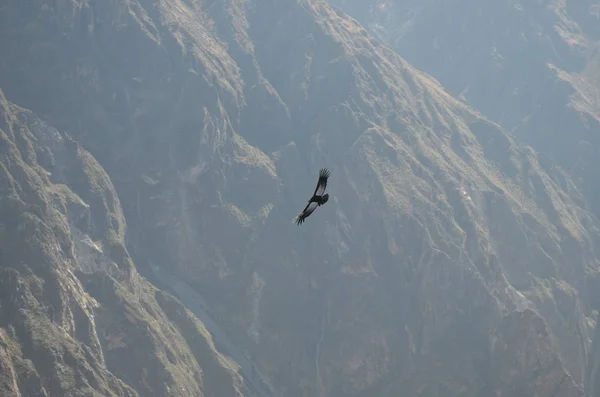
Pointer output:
x,y
531,67
449,252
75,317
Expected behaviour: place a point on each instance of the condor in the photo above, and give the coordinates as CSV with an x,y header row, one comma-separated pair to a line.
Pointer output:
x,y
317,199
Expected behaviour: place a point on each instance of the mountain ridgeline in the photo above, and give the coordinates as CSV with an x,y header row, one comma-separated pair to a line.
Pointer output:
x,y
76,319
533,67
142,138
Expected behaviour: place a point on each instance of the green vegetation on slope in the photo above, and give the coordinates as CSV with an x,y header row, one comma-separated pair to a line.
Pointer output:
x,y
211,119
75,317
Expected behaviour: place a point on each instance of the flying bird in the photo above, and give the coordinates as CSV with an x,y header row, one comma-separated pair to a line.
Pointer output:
x,y
317,199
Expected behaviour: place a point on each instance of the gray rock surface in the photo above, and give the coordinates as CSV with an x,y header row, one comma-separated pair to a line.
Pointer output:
x,y
450,261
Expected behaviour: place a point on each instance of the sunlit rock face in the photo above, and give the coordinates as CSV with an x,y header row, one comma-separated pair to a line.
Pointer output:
x,y
532,67
76,319
449,260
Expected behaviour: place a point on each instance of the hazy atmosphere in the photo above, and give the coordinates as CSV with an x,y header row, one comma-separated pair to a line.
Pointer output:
x,y
299,198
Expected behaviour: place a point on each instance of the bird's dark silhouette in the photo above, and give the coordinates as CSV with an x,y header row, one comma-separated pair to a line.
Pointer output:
x,y
317,199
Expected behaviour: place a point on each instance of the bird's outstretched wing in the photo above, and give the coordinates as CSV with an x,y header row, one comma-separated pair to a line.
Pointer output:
x,y
322,183
310,207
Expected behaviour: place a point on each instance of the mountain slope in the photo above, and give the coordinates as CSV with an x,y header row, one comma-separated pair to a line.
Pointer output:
x,y
593,372
531,67
445,243
75,317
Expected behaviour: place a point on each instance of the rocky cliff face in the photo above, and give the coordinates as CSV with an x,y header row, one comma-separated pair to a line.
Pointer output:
x,y
532,67
592,385
450,261
75,317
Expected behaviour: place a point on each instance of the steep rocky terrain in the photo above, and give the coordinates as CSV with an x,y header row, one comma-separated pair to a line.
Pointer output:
x,y
593,372
450,260
75,317
532,67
